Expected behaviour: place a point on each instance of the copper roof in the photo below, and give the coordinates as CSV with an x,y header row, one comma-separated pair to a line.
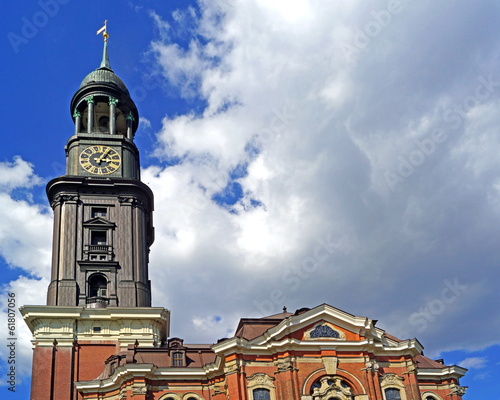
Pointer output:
x,y
424,362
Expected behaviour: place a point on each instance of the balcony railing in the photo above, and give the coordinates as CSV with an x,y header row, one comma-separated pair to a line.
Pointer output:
x,y
97,302
98,252
102,248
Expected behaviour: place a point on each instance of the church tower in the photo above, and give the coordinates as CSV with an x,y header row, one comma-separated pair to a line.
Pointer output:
x,y
99,297
102,211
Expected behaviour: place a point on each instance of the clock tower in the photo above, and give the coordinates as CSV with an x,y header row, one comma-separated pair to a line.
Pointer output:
x,y
102,211
99,297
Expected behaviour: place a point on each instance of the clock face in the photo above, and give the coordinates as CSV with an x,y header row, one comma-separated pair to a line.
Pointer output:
x,y
100,160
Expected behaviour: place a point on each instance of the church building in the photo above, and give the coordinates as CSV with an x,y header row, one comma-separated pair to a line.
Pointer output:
x,y
99,338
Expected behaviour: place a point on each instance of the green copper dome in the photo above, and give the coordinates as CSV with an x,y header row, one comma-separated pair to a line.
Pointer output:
x,y
104,74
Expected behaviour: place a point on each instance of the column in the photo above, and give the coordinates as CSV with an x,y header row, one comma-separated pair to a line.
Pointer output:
x,y
90,119
42,375
63,371
112,114
130,120
77,115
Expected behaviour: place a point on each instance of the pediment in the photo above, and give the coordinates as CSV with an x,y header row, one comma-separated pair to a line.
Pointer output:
x,y
318,329
99,222
322,323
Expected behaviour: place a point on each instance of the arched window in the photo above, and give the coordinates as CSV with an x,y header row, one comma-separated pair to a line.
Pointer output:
x,y
261,394
392,394
104,124
331,387
98,286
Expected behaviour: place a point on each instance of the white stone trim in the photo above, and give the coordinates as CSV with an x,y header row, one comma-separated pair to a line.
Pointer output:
x,y
428,393
392,381
452,371
189,395
145,325
260,380
168,395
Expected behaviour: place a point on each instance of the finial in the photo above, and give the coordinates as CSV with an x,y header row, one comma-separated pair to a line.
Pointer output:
x,y
105,35
104,31
284,309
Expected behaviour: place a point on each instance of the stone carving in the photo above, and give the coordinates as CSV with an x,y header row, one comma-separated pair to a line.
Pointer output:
x,y
458,390
64,198
260,379
130,200
372,366
231,369
219,389
139,390
324,331
331,386
391,379
284,366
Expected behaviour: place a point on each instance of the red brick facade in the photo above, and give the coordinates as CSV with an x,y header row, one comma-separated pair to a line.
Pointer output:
x,y
316,354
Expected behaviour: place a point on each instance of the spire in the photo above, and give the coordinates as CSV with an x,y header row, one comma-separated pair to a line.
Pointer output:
x,y
105,35
105,58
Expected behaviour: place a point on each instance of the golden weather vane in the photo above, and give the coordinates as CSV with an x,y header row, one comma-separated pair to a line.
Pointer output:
x,y
104,31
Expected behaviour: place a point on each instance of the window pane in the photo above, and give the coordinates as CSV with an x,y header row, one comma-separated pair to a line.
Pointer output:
x,y
392,394
98,212
98,238
98,286
261,394
177,359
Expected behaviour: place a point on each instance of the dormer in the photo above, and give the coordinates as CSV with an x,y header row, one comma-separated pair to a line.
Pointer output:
x,y
177,352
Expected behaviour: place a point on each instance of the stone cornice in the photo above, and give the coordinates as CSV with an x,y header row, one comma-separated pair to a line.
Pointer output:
x,y
125,325
275,338
452,371
240,345
150,372
361,325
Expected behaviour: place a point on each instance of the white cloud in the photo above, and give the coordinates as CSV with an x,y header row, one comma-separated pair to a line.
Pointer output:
x,y
474,362
315,134
24,242
145,123
17,174
318,134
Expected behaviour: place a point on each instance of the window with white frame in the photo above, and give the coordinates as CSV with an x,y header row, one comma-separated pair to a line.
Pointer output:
x,y
392,394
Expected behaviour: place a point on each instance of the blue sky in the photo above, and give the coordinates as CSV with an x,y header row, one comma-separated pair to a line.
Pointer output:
x,y
269,128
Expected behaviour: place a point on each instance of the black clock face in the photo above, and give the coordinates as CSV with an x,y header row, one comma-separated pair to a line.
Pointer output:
x,y
100,160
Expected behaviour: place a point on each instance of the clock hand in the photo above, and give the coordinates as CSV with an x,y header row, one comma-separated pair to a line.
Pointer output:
x,y
103,155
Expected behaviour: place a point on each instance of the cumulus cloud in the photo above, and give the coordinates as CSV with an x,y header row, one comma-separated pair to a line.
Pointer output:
x,y
365,129
474,362
25,247
17,174
24,242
